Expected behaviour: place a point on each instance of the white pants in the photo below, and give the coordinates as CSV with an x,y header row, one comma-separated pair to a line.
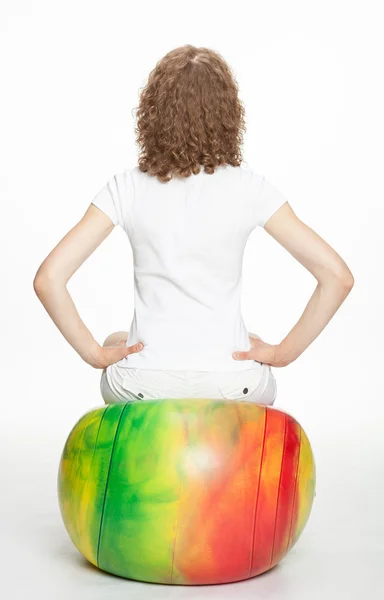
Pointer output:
x,y
119,384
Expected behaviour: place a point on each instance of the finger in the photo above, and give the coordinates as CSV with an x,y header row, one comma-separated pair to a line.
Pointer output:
x,y
132,349
241,355
118,353
117,345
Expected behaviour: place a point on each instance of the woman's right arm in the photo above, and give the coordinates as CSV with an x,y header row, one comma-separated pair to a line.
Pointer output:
x,y
334,282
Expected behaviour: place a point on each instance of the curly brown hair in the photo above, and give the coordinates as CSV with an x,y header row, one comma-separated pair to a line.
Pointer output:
x,y
189,115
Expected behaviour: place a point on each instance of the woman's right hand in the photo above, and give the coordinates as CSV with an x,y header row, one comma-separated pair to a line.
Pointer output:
x,y
103,356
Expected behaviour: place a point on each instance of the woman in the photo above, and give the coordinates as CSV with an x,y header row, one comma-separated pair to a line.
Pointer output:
x,y
188,208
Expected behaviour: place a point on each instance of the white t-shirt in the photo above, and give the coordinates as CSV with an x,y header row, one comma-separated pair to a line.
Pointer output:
x,y
188,238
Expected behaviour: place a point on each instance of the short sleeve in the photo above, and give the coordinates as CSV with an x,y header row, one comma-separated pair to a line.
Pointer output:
x,y
109,199
267,200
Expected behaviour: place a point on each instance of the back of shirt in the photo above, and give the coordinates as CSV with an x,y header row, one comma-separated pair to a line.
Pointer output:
x,y
188,238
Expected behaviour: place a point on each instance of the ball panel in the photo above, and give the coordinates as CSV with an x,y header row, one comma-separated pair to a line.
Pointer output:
x,y
305,488
217,498
268,492
287,490
74,473
82,477
142,500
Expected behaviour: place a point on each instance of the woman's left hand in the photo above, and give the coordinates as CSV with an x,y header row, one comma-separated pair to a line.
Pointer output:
x,y
261,352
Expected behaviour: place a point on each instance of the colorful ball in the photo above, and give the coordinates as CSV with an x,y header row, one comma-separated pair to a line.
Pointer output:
x,y
189,491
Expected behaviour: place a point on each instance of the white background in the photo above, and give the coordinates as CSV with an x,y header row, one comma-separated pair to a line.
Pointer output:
x,y
311,78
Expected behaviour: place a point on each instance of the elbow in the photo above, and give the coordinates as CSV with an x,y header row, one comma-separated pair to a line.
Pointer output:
x,y
347,280
337,277
43,282
39,283
343,279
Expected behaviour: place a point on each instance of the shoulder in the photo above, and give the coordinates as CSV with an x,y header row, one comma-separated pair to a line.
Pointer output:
x,y
249,180
249,174
129,172
243,173
126,178
135,178
133,171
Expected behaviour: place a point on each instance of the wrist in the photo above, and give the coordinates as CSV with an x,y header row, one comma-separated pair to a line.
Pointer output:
x,y
94,356
282,358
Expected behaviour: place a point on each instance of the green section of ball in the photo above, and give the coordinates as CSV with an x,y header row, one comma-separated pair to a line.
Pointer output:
x,y
83,475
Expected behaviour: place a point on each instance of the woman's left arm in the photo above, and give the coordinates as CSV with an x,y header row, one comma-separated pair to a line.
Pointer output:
x,y
50,284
